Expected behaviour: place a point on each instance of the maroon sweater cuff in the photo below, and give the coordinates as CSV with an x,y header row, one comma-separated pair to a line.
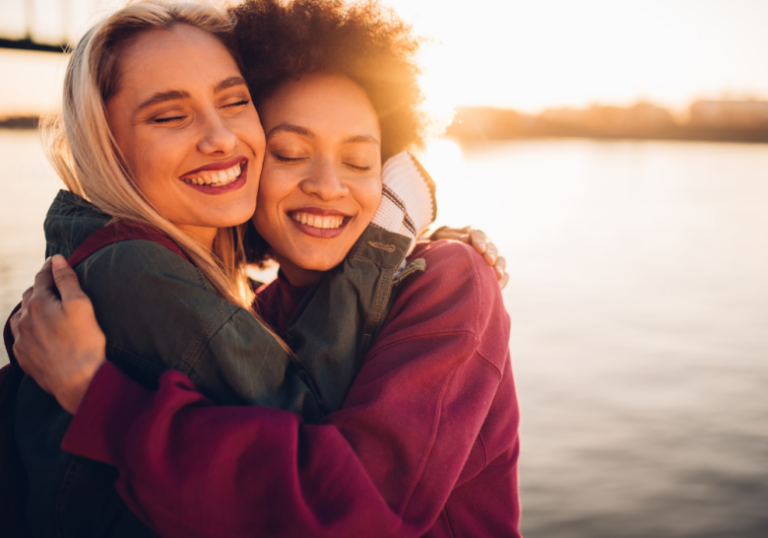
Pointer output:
x,y
100,428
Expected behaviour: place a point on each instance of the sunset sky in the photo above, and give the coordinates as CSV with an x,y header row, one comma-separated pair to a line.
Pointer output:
x,y
525,54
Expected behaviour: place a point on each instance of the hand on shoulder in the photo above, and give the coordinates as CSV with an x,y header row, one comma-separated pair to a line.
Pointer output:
x,y
481,243
56,320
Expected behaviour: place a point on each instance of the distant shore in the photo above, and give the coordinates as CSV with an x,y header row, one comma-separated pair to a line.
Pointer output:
x,y
714,121
20,122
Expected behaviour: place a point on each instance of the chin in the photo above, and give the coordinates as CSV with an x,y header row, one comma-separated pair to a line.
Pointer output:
x,y
321,267
320,264
231,218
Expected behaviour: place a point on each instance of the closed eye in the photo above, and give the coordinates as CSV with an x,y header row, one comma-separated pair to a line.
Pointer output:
x,y
238,103
287,159
169,120
360,168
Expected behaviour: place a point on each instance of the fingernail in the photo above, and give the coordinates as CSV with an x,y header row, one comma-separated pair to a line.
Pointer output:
x,y
481,244
59,262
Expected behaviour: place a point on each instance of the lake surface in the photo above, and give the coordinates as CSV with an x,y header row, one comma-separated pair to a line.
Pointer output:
x,y
639,304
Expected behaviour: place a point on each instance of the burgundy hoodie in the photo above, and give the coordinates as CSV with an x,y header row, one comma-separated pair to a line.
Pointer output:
x,y
426,443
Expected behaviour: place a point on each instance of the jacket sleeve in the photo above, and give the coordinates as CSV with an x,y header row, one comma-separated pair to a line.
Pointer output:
x,y
383,465
159,312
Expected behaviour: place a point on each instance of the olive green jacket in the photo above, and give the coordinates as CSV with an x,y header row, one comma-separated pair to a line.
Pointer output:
x,y
159,312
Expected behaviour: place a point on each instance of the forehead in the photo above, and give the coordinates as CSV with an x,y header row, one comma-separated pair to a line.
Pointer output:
x,y
327,104
183,55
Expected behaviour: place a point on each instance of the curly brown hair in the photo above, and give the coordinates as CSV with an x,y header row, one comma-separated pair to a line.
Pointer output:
x,y
364,41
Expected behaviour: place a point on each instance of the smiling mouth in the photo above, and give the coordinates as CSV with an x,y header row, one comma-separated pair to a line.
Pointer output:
x,y
322,222
215,178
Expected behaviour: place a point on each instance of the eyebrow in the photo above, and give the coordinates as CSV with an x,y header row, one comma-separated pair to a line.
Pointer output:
x,y
290,128
228,83
303,131
161,97
362,139
172,95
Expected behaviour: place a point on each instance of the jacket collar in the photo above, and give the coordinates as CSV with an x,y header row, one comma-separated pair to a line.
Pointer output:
x,y
70,220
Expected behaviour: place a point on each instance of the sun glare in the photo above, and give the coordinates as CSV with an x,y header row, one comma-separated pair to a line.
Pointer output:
x,y
536,54
523,54
443,159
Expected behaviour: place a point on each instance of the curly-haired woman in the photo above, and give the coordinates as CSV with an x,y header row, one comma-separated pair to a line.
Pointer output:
x,y
425,442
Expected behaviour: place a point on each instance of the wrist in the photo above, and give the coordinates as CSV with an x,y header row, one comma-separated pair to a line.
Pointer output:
x,y
71,393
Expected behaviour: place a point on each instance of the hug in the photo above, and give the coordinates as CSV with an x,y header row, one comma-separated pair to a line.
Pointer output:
x,y
366,391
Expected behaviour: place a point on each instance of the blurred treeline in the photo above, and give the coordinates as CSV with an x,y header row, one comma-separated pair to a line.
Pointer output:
x,y
738,121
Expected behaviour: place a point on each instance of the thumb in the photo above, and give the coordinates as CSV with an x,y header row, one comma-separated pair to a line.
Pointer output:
x,y
66,279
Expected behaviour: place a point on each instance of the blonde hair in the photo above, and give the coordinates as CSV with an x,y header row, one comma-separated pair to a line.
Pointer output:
x,y
83,151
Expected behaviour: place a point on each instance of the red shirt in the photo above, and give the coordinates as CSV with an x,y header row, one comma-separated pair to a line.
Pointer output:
x,y
425,444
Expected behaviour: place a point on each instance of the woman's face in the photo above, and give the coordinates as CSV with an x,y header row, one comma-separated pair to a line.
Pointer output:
x,y
321,182
187,129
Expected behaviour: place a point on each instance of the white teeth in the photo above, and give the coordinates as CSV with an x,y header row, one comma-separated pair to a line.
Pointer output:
x,y
317,221
216,178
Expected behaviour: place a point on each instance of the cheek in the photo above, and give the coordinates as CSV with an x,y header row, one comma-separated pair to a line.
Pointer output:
x,y
268,191
267,205
154,165
249,130
370,197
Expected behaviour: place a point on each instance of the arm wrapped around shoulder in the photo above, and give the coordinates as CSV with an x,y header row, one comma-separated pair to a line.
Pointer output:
x,y
159,312
429,428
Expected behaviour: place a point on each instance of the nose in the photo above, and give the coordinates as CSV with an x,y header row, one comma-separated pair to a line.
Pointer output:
x,y
324,182
216,137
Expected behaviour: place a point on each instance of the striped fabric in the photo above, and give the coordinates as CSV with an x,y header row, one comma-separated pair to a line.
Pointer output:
x,y
408,203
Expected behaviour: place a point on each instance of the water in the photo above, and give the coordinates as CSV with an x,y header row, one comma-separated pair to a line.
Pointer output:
x,y
28,187
639,301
